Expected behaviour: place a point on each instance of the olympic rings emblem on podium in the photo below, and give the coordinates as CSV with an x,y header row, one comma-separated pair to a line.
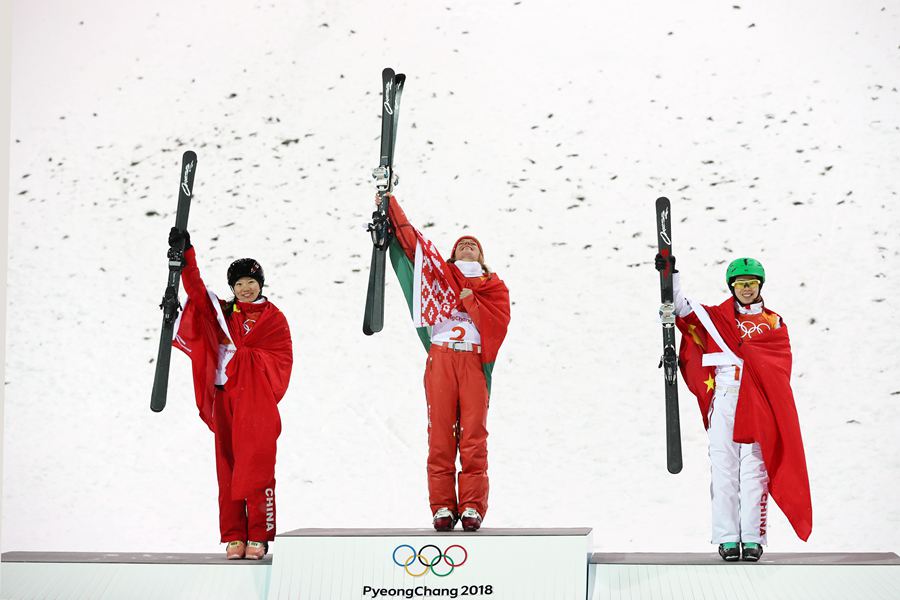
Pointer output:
x,y
430,558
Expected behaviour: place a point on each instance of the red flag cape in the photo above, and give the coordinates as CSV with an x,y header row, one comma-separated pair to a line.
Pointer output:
x,y
441,283
258,376
765,412
488,306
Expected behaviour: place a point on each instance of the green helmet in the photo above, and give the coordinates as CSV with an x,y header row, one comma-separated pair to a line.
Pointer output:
x,y
745,266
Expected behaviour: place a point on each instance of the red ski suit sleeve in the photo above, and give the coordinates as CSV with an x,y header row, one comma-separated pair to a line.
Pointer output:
x,y
404,232
198,336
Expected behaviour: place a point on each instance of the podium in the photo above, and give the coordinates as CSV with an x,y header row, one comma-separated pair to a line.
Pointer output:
x,y
492,564
495,564
778,576
131,575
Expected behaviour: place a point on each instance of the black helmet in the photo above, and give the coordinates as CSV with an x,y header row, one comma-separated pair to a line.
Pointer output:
x,y
245,267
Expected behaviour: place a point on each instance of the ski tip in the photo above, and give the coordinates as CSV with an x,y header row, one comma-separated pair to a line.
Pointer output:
x,y
189,156
387,73
674,469
662,199
369,330
158,395
399,78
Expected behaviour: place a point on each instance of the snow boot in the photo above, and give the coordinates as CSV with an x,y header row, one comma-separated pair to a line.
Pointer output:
x,y
471,520
235,550
751,551
444,520
256,550
730,551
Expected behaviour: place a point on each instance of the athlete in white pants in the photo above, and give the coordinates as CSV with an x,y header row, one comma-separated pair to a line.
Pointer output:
x,y
738,479
739,483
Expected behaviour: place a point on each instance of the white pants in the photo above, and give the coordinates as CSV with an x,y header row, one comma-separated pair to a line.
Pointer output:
x,y
739,483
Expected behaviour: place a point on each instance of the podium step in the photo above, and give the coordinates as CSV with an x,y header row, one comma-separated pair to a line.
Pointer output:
x,y
496,564
135,576
778,576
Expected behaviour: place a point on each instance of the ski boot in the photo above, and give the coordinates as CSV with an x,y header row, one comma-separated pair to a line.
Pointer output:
x,y
730,551
444,520
751,551
471,520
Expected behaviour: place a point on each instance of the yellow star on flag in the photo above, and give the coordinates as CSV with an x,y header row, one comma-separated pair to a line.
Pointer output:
x,y
692,330
710,383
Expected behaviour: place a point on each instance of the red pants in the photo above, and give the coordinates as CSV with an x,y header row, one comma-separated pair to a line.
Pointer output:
x,y
251,518
457,397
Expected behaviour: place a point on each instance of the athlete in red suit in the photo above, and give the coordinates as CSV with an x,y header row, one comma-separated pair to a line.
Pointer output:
x,y
461,352
241,357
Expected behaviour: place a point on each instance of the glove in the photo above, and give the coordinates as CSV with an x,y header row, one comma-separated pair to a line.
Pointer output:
x,y
176,238
660,263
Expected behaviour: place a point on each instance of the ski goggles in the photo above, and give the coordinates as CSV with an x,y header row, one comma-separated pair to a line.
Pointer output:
x,y
745,283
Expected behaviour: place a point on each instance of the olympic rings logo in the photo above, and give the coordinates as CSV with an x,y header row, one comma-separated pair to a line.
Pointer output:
x,y
749,328
430,558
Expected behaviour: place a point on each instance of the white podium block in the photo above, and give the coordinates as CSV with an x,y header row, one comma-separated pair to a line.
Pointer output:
x,y
131,576
491,564
778,576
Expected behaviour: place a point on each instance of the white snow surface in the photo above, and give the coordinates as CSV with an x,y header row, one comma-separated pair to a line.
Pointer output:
x,y
546,129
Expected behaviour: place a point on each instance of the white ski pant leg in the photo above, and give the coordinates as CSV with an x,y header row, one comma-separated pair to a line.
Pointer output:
x,y
754,494
739,482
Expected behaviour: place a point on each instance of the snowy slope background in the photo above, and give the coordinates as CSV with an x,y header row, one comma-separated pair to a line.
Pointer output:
x,y
547,129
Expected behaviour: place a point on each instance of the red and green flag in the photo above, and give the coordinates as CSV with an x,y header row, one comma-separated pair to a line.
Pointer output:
x,y
432,288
